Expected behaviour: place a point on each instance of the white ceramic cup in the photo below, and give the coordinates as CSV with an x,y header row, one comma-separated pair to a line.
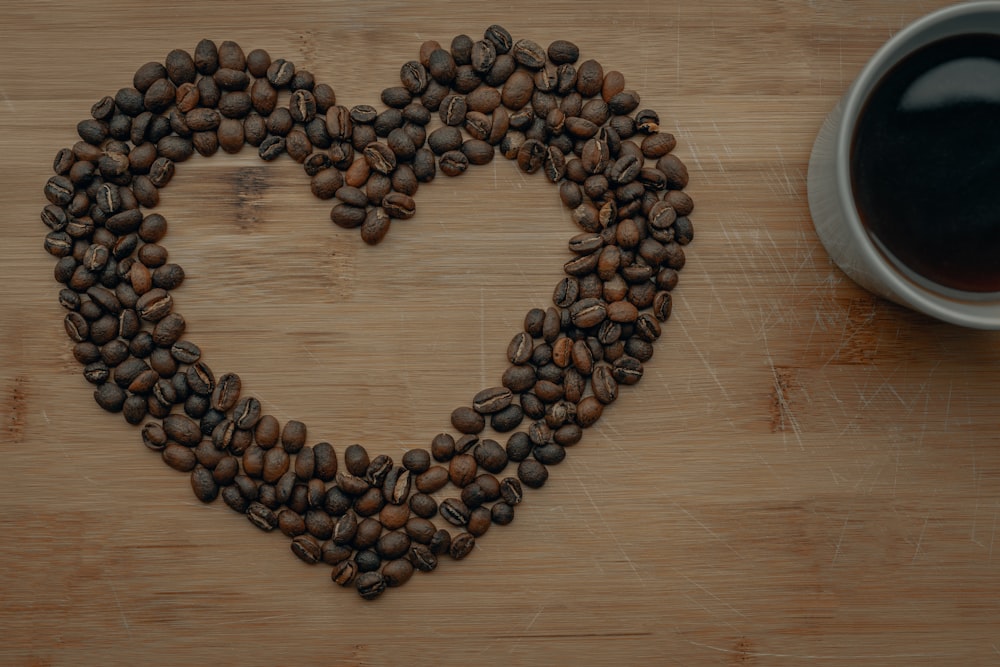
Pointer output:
x,y
831,201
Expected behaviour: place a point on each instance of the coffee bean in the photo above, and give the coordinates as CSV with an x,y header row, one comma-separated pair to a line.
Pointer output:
x,y
370,585
461,470
356,459
532,473
261,516
307,549
492,400
344,572
433,479
467,420
454,511
422,558
462,545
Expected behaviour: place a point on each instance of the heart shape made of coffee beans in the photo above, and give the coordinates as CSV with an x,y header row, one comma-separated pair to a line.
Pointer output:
x,y
373,521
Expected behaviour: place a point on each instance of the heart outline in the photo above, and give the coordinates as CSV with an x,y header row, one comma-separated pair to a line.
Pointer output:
x,y
114,229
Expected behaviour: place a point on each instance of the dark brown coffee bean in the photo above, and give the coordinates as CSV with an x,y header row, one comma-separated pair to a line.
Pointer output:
x,y
394,544
662,305
291,523
344,572
453,163
307,549
369,530
262,516
467,420
433,479
370,585
561,51
480,520
462,545
492,400
416,460
345,529
324,461
461,470
266,431
351,484
396,487
318,523
182,430
422,558
370,502
423,505
465,443
473,496
179,458
454,511
532,473
335,554
397,572
276,462
356,459
490,456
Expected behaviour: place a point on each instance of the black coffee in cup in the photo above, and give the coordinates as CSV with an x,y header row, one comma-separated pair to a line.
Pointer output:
x,y
925,163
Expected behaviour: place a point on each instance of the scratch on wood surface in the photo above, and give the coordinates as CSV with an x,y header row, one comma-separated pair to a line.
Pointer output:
x,y
704,360
121,610
713,595
993,535
840,538
708,530
609,530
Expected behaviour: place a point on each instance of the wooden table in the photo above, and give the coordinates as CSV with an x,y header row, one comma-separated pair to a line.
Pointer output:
x,y
806,473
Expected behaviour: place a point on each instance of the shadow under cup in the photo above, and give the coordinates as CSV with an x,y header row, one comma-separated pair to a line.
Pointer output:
x,y
904,177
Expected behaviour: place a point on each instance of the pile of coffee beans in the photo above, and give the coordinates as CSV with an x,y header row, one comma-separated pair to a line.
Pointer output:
x,y
373,520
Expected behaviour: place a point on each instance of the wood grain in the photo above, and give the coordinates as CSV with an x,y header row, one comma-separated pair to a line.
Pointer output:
x,y
806,473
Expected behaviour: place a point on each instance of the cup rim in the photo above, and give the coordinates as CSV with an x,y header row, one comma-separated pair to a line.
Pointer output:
x,y
971,309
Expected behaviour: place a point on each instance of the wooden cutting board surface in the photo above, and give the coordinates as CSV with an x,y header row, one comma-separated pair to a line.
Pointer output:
x,y
806,473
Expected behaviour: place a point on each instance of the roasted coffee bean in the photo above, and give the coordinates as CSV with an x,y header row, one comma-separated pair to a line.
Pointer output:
x,y
422,558
467,420
416,460
261,516
507,419
335,554
461,470
396,487
325,467
351,484
454,511
480,520
394,544
345,529
423,505
370,502
370,585
461,546
393,517
532,473
344,572
397,572
369,530
518,447
307,549
293,436
490,456
356,459
492,400
318,523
